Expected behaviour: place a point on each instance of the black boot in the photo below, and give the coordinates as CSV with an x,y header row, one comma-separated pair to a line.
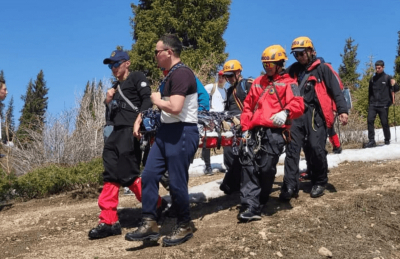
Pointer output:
x,y
181,233
317,191
289,194
371,143
148,230
337,150
105,230
249,215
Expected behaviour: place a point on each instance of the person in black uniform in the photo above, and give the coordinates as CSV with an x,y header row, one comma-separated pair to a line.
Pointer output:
x,y
380,97
236,93
320,90
121,154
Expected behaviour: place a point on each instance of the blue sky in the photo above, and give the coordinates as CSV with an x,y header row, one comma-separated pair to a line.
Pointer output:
x,y
69,40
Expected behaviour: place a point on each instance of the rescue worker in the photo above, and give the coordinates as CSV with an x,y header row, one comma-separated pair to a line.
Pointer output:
x,y
235,95
122,154
322,95
267,111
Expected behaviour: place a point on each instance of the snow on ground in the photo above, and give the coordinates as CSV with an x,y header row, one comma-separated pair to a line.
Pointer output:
x,y
210,190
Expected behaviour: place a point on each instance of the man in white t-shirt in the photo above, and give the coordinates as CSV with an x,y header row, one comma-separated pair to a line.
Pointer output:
x,y
217,94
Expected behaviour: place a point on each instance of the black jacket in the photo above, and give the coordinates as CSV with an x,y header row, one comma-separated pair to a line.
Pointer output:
x,y
230,104
380,90
137,89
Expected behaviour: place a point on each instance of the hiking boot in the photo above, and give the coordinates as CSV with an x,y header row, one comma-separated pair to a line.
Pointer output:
x,y
370,144
182,232
317,191
127,191
148,230
105,230
223,187
248,215
387,142
305,176
208,171
337,150
288,195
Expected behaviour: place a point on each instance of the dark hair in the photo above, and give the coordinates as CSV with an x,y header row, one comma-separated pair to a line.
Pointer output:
x,y
380,63
173,42
2,82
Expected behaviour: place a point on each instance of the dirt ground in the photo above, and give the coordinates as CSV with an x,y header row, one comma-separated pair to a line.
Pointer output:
x,y
358,217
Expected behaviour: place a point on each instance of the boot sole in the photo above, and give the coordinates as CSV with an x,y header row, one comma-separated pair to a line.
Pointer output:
x,y
180,241
242,219
149,238
316,196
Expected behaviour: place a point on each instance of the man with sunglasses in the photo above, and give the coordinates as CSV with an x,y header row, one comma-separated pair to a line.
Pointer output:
x,y
322,96
122,155
272,101
235,95
175,144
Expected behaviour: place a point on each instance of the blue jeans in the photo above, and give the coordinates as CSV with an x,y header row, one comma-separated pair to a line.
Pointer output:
x,y
173,150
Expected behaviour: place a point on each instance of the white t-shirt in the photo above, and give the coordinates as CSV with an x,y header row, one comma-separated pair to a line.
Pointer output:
x,y
217,99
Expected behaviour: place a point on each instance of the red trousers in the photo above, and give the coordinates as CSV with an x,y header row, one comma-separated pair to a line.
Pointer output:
x,y
108,200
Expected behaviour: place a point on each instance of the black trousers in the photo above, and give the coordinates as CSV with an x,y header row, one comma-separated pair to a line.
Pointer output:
x,y
383,116
258,170
121,157
206,155
231,181
309,131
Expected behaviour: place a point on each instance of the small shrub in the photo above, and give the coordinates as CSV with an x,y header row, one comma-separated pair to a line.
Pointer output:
x,y
54,179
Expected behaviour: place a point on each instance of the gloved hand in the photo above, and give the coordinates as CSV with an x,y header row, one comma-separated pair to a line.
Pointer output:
x,y
245,134
278,119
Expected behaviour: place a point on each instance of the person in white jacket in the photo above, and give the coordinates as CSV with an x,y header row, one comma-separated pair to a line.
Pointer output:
x,y
217,94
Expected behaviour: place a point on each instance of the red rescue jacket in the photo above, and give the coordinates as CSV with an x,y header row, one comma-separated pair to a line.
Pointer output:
x,y
269,104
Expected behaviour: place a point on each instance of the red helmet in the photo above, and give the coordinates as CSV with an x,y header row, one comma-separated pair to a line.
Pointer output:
x,y
221,72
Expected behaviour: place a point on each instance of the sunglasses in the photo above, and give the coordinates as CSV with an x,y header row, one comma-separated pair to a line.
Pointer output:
x,y
158,51
229,76
269,65
116,64
299,53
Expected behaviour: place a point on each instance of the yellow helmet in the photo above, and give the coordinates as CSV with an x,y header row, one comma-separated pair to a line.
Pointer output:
x,y
232,65
273,53
302,43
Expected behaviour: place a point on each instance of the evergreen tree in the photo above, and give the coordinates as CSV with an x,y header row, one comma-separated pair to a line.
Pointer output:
x,y
1,103
397,61
9,124
199,25
34,109
360,96
348,68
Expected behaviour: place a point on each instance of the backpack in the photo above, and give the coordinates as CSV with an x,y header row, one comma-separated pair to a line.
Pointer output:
x,y
203,98
345,91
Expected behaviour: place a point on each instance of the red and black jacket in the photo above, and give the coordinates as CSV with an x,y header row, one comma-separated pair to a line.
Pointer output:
x,y
258,111
321,90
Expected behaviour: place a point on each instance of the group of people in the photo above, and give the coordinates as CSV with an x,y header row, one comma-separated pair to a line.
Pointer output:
x,y
293,108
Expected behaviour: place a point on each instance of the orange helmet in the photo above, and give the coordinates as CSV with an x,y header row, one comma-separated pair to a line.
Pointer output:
x,y
274,53
301,43
231,66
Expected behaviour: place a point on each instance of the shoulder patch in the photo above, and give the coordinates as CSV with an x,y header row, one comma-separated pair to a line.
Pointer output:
x,y
143,84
